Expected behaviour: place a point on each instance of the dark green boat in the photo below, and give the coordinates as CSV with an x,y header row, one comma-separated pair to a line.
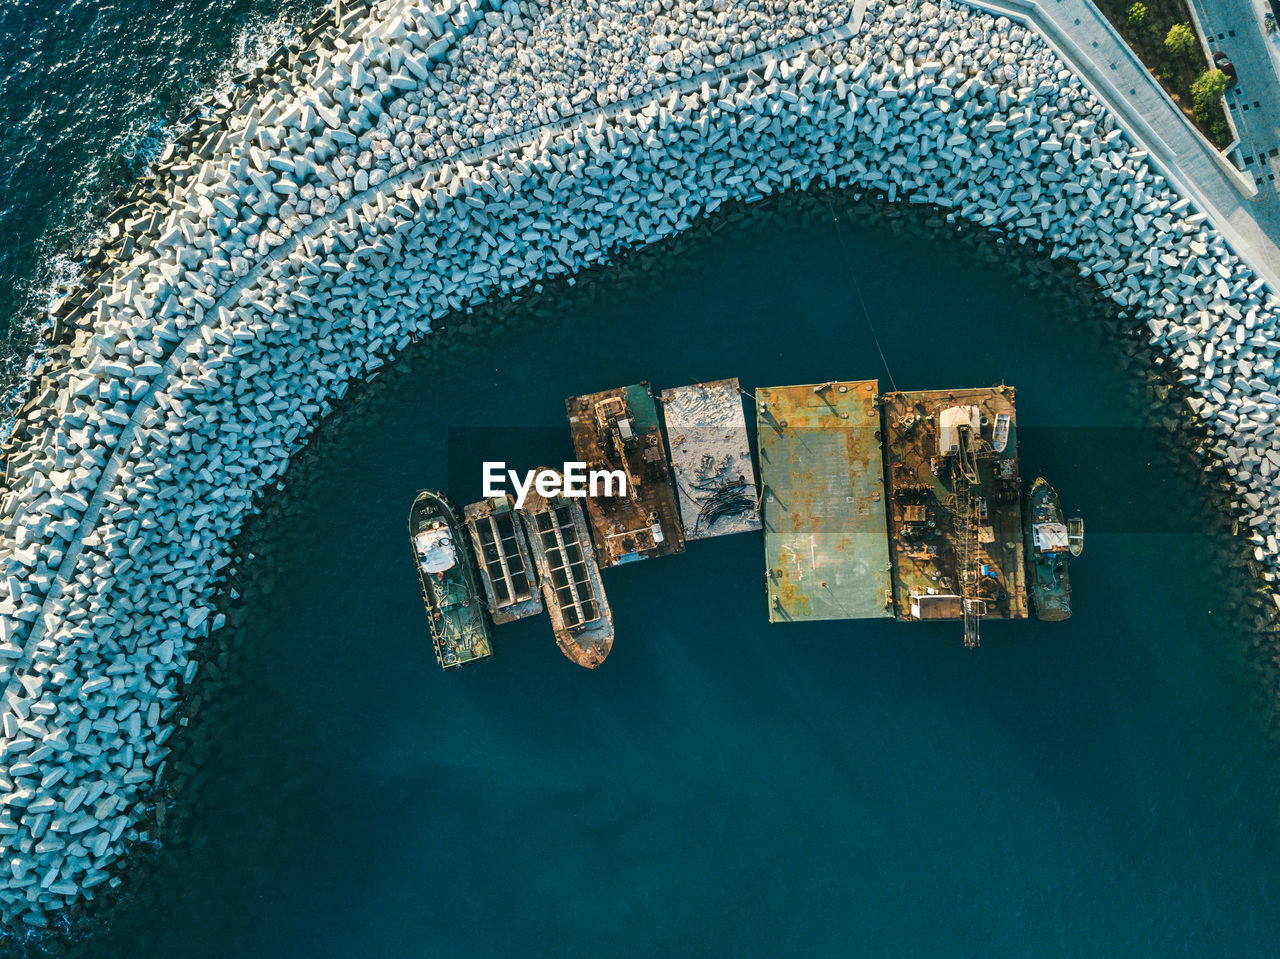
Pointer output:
x,y
455,609
1048,546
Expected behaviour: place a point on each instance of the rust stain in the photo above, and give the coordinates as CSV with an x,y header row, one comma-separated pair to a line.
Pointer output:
x,y
618,430
921,518
825,528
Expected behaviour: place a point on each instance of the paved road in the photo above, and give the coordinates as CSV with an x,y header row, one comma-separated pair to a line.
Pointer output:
x,y
1092,47
1235,28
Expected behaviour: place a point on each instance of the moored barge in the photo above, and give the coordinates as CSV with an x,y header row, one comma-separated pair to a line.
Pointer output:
x,y
618,431
955,522
823,502
715,480
575,600
507,571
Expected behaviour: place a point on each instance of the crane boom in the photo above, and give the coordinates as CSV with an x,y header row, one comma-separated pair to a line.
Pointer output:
x,y
964,480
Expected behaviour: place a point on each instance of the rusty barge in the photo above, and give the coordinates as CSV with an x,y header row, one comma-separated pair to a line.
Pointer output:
x,y
955,516
618,431
575,599
507,571
826,555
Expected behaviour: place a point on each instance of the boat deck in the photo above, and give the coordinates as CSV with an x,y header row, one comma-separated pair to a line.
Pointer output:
x,y
456,619
825,539
507,571
922,516
618,430
711,459
1048,566
575,599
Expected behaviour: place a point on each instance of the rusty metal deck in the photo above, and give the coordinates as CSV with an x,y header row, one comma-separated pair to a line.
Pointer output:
x,y
618,430
507,570
825,536
922,514
575,598
711,459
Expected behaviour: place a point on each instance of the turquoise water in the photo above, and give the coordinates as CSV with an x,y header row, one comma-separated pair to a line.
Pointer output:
x,y
720,786
1107,786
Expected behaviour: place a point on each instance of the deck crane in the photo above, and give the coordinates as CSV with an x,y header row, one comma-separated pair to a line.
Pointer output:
x,y
959,440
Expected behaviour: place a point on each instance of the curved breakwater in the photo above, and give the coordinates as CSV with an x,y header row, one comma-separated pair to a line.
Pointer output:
x,y
403,162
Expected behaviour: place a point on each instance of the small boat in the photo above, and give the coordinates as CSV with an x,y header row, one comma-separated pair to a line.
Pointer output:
x,y
1047,547
1075,535
579,611
507,572
455,611
1000,434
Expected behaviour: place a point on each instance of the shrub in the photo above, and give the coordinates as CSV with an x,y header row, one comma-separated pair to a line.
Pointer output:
x,y
1180,40
1137,13
1207,90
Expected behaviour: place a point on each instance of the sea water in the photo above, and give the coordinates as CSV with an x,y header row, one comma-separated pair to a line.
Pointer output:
x,y
1105,786
721,786
89,93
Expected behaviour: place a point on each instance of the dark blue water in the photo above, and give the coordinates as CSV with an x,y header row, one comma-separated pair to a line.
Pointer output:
x,y
720,786
1106,786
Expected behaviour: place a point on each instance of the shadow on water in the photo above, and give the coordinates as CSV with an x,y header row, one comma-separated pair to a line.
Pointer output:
x,y
720,786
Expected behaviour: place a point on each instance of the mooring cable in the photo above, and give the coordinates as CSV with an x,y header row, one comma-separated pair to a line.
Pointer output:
x,y
857,287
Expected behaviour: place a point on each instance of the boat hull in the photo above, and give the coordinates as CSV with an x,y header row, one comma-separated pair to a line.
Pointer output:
x,y
504,559
455,609
1047,572
1075,535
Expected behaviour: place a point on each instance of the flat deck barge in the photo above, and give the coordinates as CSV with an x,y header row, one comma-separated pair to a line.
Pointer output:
x,y
618,430
826,551
507,571
711,459
955,519
579,611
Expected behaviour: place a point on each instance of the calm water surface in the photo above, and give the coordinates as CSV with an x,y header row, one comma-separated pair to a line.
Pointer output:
x,y
1107,786
720,786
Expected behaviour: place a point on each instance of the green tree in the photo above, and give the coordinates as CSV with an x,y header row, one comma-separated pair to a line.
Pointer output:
x,y
1137,13
1207,90
1180,40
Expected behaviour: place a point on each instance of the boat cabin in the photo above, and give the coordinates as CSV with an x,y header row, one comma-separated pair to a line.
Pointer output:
x,y
435,549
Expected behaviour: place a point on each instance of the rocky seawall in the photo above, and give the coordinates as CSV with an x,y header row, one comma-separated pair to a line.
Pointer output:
x,y
404,162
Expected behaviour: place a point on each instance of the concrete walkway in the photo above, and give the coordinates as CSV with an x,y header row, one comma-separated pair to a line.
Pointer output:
x,y
1085,39
1235,28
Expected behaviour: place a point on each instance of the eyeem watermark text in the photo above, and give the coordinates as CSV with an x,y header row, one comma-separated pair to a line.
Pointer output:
x,y
575,480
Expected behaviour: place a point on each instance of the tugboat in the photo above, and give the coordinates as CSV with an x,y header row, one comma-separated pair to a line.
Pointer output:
x,y
455,609
1047,547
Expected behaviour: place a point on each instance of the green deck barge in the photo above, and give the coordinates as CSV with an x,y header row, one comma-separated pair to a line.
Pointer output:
x,y
825,535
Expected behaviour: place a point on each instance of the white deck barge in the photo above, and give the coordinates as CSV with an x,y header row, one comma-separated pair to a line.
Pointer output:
x,y
711,459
